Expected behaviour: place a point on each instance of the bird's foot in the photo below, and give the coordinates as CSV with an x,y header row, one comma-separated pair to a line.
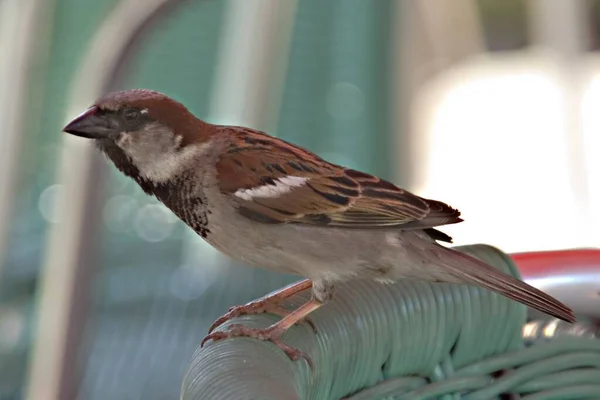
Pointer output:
x,y
271,334
266,305
270,304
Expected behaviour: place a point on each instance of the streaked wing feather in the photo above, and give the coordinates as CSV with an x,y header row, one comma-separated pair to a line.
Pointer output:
x,y
329,195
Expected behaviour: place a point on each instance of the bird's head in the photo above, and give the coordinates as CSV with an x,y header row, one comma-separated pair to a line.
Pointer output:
x,y
143,132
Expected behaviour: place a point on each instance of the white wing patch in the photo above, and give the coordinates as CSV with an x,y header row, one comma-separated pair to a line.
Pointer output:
x,y
281,186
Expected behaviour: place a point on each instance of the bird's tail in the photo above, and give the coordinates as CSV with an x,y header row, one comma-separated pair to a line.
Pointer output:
x,y
470,270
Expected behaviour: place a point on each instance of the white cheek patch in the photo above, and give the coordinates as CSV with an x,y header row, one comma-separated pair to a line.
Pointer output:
x,y
159,161
282,185
170,164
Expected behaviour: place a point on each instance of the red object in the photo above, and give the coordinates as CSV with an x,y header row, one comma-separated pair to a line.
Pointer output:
x,y
572,276
560,262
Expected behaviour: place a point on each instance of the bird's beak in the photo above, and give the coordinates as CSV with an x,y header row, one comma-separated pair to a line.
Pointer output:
x,y
90,125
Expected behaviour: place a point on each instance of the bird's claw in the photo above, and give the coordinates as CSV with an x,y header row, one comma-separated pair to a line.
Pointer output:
x,y
272,335
256,307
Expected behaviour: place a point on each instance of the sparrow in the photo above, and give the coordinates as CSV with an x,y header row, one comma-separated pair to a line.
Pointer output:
x,y
268,203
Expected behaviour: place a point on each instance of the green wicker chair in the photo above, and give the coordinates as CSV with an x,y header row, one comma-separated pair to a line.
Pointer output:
x,y
410,340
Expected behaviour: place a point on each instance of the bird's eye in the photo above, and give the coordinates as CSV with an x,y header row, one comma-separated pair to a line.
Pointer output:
x,y
131,114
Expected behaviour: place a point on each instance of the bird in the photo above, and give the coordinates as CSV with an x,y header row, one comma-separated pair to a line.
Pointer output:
x,y
271,204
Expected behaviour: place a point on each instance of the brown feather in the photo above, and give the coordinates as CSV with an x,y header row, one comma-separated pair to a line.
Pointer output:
x,y
437,235
163,109
469,269
332,195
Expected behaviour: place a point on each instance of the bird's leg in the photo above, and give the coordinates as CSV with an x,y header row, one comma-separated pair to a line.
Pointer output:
x,y
269,304
273,332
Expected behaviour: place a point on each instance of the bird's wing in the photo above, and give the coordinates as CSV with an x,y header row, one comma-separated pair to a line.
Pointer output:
x,y
272,181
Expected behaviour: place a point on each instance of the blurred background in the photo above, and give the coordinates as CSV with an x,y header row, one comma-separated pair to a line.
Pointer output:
x,y
488,105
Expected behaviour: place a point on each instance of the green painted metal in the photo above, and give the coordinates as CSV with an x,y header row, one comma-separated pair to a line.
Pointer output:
x,y
71,25
336,91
